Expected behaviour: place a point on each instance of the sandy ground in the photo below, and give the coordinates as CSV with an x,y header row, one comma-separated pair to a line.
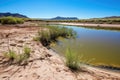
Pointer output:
x,y
43,64
94,25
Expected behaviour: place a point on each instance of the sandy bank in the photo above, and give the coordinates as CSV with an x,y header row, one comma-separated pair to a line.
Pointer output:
x,y
117,26
43,64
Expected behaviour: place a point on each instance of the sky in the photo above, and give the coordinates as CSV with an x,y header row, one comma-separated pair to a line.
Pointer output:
x,y
66,8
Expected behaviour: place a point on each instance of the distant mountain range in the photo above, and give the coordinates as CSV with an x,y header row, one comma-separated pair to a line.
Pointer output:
x,y
13,15
64,18
113,17
56,18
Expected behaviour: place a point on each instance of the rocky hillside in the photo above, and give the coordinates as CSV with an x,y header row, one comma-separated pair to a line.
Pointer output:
x,y
13,15
64,18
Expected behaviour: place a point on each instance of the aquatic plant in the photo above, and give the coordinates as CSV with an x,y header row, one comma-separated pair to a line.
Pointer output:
x,y
72,59
53,32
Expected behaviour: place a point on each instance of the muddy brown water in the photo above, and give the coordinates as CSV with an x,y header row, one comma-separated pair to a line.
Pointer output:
x,y
95,46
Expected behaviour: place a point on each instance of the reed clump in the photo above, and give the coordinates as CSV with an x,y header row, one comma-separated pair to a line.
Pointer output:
x,y
53,32
72,60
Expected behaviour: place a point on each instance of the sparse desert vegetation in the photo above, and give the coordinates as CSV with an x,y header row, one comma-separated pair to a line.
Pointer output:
x,y
11,20
18,58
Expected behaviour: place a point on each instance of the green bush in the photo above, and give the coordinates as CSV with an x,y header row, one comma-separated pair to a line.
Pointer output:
x,y
11,20
45,37
53,32
19,20
72,60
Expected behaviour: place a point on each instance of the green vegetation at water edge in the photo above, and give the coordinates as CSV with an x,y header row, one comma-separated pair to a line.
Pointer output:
x,y
72,60
93,21
11,20
51,33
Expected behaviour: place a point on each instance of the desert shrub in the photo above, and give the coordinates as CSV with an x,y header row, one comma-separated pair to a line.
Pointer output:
x,y
72,59
53,32
44,37
19,20
13,57
22,58
11,20
27,51
8,20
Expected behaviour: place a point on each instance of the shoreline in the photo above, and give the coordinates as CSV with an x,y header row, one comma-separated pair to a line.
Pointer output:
x,y
103,66
111,26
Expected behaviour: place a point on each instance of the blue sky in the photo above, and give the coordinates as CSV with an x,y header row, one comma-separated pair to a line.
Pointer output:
x,y
66,8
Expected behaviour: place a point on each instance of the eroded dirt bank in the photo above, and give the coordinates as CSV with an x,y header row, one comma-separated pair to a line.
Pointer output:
x,y
43,64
